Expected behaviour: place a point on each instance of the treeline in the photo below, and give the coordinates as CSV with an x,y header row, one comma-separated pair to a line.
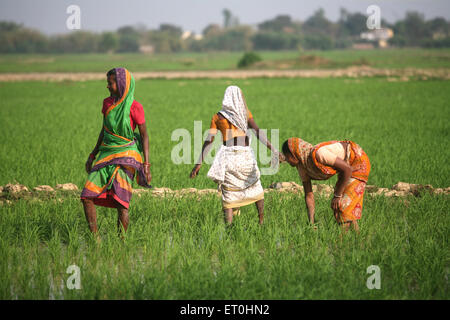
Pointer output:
x,y
279,33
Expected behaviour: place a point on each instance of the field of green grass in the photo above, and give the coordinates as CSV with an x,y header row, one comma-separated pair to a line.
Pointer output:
x,y
391,58
49,129
179,248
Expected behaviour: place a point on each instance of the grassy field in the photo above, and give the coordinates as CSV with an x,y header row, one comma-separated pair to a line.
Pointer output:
x,y
180,249
49,129
392,58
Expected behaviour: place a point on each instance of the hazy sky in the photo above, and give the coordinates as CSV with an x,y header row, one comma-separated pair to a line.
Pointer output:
x,y
49,16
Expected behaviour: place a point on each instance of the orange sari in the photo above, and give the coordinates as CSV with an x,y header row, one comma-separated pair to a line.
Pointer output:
x,y
350,206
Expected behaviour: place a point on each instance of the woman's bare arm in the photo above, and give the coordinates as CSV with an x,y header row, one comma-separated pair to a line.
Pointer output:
x,y
145,146
345,172
309,195
309,199
260,134
145,141
205,149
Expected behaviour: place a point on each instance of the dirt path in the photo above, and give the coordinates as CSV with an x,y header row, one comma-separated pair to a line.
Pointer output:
x,y
351,72
14,192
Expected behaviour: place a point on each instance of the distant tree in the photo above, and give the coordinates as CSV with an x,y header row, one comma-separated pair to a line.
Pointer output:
x,y
413,30
76,42
437,43
9,26
385,24
226,18
15,38
439,37
317,41
275,41
171,29
351,24
278,24
229,21
194,45
279,33
166,40
127,30
235,21
108,42
318,24
233,39
438,26
415,26
128,39
32,41
212,30
128,43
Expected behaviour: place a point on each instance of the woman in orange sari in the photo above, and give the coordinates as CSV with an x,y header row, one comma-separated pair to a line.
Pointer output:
x,y
324,160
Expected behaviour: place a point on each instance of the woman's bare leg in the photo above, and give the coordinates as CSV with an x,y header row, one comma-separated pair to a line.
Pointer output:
x,y
260,207
91,214
355,226
350,224
122,219
228,215
345,226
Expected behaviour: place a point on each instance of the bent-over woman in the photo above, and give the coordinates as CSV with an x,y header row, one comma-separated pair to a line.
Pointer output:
x,y
324,160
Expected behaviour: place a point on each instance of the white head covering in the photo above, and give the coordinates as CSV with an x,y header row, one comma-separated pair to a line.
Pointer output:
x,y
233,107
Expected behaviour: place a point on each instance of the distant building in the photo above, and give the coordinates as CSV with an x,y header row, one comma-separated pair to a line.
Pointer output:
x,y
189,34
186,34
378,35
439,35
147,49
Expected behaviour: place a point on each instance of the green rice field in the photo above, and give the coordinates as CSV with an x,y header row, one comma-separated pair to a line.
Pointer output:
x,y
389,58
49,129
179,247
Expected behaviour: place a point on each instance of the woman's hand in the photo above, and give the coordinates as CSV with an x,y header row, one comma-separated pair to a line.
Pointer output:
x,y
195,171
281,157
88,164
148,174
335,203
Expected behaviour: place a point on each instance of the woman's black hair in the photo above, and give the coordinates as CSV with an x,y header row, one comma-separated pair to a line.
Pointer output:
x,y
111,72
285,148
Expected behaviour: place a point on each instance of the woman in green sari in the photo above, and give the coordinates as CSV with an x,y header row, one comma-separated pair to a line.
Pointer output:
x,y
119,152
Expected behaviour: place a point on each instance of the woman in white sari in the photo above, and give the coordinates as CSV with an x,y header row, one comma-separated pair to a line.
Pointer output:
x,y
235,169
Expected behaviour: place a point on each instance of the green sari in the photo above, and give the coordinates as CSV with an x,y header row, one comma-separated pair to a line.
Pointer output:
x,y
120,153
